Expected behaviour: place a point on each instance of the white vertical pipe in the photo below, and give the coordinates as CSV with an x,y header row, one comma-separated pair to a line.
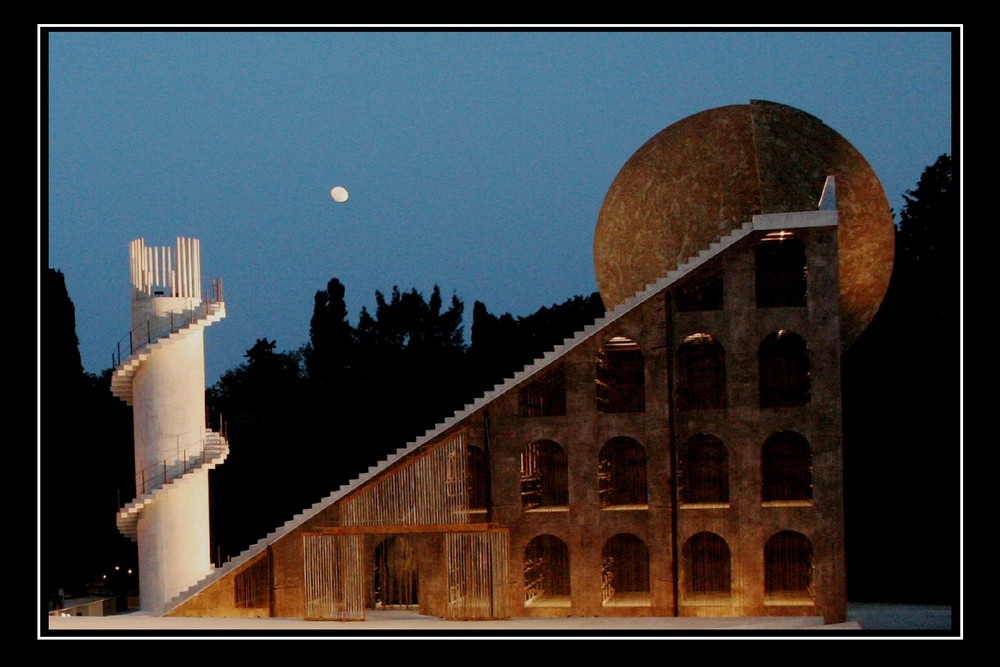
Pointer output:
x,y
193,262
192,245
169,272
180,268
140,254
182,245
197,259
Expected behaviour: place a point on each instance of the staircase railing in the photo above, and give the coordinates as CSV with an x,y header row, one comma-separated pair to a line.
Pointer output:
x,y
166,325
187,455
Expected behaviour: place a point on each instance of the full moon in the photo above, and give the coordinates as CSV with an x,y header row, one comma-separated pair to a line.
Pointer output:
x,y
339,194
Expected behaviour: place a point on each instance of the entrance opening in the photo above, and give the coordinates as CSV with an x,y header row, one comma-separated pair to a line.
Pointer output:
x,y
395,574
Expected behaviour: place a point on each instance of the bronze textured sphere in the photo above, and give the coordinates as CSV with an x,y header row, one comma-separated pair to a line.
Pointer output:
x,y
709,173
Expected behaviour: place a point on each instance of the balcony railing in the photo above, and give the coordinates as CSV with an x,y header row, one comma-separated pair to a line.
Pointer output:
x,y
166,324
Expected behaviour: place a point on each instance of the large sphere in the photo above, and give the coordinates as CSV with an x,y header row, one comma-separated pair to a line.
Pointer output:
x,y
709,173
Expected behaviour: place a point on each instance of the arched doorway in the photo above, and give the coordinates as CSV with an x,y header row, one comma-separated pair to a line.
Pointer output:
x,y
625,572
546,572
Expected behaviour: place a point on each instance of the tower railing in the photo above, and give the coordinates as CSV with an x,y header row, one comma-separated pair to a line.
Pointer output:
x,y
166,325
191,450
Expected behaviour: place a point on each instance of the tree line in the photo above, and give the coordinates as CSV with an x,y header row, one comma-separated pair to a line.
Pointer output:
x,y
304,422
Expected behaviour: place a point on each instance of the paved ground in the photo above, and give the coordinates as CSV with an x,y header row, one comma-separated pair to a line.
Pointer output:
x,y
864,620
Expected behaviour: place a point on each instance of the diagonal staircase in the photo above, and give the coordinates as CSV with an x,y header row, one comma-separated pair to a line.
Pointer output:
x,y
714,248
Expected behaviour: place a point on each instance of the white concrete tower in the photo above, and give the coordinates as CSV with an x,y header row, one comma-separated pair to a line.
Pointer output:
x,y
163,378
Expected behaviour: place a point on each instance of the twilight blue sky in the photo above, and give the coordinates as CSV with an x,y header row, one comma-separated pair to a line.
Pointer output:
x,y
476,160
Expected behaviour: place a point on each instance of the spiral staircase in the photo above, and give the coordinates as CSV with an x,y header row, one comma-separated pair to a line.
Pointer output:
x,y
168,476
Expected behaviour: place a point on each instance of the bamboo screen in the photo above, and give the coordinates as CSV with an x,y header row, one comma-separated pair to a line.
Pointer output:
x,y
251,588
334,577
625,571
545,396
432,489
704,470
477,575
786,468
620,377
544,475
701,373
788,568
707,571
546,572
621,473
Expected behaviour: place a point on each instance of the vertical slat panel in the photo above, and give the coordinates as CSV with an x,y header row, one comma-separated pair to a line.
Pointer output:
x,y
333,577
426,491
477,575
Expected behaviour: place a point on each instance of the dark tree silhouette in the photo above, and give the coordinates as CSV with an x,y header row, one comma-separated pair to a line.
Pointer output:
x,y
502,345
330,350
409,362
928,236
902,413
86,469
272,469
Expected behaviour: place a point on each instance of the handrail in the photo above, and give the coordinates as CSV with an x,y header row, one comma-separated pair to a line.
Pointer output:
x,y
159,327
202,448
